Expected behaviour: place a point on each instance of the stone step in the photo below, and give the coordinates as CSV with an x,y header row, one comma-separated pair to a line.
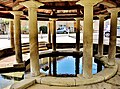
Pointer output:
x,y
23,84
18,75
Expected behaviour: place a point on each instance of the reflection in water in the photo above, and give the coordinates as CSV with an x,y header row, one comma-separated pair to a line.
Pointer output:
x,y
5,82
67,66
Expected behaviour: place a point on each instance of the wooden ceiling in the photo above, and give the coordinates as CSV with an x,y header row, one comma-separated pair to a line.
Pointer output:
x,y
61,9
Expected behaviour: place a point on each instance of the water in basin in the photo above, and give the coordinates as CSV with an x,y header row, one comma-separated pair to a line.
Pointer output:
x,y
67,66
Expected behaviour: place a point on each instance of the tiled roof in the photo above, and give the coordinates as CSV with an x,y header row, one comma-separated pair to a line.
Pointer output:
x,y
61,9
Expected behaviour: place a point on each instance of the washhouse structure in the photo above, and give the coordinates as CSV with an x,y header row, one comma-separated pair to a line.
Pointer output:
x,y
64,10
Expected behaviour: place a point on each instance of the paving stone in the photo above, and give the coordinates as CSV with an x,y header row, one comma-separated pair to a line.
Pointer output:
x,y
115,80
115,87
39,86
93,86
102,85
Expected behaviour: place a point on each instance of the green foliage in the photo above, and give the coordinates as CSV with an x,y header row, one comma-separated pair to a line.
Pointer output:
x,y
43,29
24,28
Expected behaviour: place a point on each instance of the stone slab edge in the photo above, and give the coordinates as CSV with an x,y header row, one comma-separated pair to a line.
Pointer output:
x,y
23,84
109,72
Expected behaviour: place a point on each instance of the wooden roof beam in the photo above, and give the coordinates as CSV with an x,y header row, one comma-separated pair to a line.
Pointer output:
x,y
4,15
16,2
61,7
18,7
61,16
108,3
56,0
5,7
101,12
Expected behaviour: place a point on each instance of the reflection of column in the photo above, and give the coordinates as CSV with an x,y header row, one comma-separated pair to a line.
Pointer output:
x,y
49,64
77,61
49,32
54,45
88,36
17,27
11,29
33,36
77,44
54,66
113,33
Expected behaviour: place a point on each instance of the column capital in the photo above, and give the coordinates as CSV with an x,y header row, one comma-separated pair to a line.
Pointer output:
x,y
27,17
16,12
113,10
87,3
31,4
79,18
53,19
101,16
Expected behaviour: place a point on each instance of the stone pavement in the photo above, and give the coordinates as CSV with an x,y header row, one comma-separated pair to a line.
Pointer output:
x,y
11,60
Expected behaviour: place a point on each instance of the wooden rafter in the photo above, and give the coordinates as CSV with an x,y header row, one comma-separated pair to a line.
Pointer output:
x,y
5,8
57,0
61,9
109,3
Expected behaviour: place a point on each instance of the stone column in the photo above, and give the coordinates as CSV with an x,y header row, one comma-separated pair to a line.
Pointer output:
x,y
33,36
11,29
17,27
77,44
101,31
100,42
49,32
49,40
88,36
53,22
77,34
113,33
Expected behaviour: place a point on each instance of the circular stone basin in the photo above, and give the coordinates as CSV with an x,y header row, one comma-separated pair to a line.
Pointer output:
x,y
103,75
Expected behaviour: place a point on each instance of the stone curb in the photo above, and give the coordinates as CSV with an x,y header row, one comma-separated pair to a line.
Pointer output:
x,y
58,81
105,74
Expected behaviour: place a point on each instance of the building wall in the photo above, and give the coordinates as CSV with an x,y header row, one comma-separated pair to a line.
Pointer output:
x,y
66,24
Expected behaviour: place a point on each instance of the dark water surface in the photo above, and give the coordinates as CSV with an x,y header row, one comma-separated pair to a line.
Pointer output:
x,y
67,66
